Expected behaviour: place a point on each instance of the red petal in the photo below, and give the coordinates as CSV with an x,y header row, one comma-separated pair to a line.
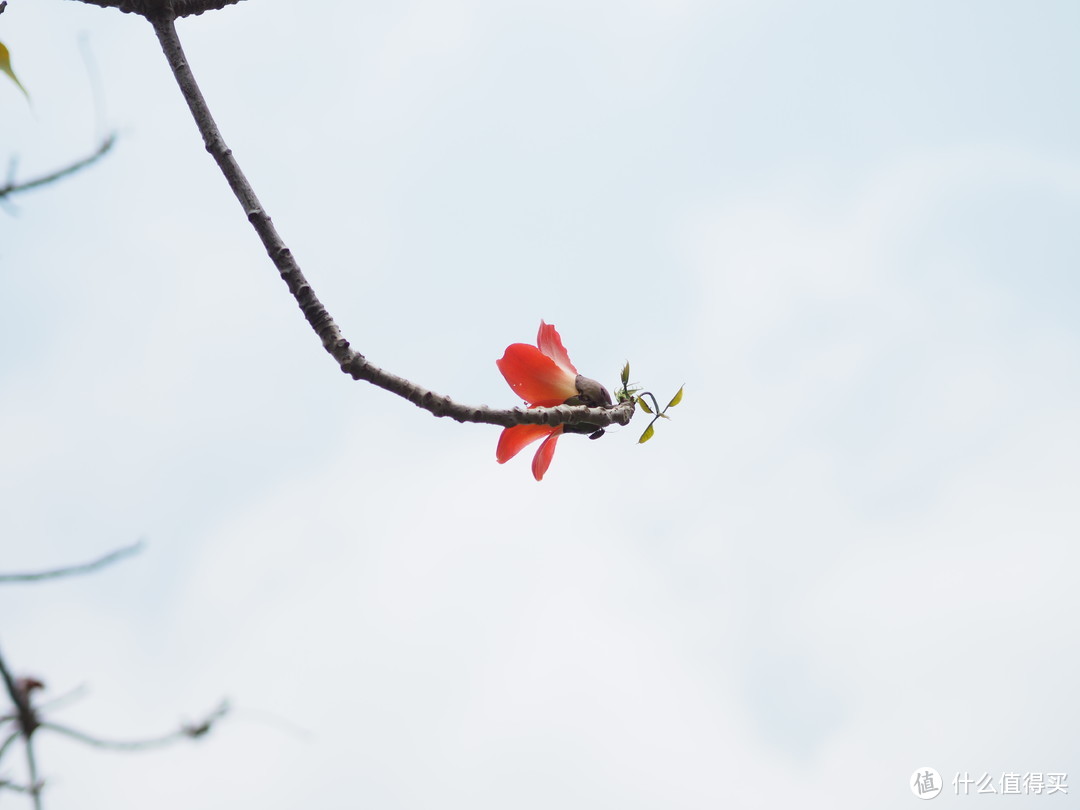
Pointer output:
x,y
514,439
544,453
549,342
535,377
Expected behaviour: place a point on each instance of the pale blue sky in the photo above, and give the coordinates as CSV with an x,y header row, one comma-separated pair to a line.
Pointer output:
x,y
849,228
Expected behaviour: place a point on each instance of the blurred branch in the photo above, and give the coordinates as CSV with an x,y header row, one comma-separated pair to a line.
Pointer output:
x,y
32,773
12,786
71,570
11,738
187,731
20,691
60,700
28,721
271,720
348,359
13,187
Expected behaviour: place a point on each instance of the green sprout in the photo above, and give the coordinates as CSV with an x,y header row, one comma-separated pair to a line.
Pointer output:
x,y
626,393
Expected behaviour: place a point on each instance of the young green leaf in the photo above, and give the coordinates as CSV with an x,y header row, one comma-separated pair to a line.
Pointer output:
x,y
626,374
5,65
675,400
642,405
648,434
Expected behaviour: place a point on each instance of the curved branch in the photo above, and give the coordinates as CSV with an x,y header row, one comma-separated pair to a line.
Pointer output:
x,y
13,786
14,188
69,570
7,743
189,731
350,361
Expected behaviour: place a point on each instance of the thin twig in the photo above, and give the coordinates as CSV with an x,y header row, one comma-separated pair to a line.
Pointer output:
x,y
27,720
11,738
32,772
350,361
27,724
13,187
70,570
60,700
94,79
272,720
188,731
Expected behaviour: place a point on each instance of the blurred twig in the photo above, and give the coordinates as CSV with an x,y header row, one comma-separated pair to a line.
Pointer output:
x,y
187,731
20,691
71,570
4,783
13,187
27,720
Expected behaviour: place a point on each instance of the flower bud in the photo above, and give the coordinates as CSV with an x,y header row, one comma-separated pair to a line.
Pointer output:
x,y
592,393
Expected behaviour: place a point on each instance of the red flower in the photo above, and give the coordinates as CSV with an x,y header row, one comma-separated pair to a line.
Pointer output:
x,y
544,377
515,439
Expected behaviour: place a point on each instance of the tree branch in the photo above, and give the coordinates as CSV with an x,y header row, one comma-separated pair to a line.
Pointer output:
x,y
350,361
20,690
28,721
12,786
14,188
32,772
187,731
4,746
71,570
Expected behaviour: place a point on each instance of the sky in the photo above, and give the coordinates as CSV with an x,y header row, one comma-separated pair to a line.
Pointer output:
x,y
848,228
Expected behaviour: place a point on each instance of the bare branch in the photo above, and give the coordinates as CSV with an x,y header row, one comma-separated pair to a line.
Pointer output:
x,y
11,738
28,721
20,691
32,772
350,361
188,731
60,700
13,187
12,786
272,720
71,570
